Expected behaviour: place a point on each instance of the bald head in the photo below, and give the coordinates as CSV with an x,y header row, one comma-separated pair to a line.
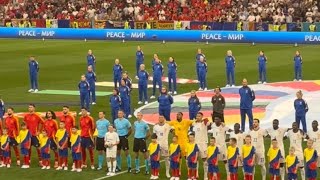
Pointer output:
x,y
244,82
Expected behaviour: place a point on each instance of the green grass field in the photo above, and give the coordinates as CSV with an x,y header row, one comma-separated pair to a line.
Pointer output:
x,y
62,63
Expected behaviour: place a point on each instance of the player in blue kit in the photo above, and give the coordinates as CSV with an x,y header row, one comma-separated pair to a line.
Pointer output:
x,y
157,76
297,66
91,60
143,77
33,73
203,69
127,79
247,97
117,73
172,75
262,61
115,104
155,57
230,65
199,54
84,88
139,59
165,100
301,108
194,105
92,78
124,91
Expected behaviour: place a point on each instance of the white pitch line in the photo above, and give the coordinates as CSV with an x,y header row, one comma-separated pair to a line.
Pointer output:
x,y
122,172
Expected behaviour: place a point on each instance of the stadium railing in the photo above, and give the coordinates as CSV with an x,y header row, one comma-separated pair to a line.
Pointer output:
x,y
165,25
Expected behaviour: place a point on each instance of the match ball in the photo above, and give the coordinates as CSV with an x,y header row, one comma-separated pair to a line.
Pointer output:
x,y
108,144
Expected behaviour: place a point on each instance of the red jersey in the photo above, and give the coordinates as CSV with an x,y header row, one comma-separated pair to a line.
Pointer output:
x,y
51,127
33,122
86,126
69,122
12,124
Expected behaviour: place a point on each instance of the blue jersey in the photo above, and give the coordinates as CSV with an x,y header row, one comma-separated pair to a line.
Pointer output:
x,y
165,100
124,92
157,70
102,127
230,62
117,70
33,66
301,106
143,77
115,101
84,87
122,126
198,59
194,104
141,129
140,57
91,78
297,60
172,67
247,97
91,60
128,82
262,61
202,67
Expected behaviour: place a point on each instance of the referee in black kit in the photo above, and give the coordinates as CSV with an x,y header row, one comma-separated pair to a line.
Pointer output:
x,y
218,103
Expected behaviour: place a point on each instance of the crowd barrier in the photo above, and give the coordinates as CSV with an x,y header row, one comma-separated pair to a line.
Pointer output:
x,y
163,35
163,25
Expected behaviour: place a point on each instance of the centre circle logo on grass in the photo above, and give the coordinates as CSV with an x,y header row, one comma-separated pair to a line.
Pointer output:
x,y
273,101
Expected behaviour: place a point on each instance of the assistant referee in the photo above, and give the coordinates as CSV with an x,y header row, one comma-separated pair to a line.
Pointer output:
x,y
141,134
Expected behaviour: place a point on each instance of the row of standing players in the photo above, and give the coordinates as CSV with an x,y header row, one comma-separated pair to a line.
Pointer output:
x,y
57,139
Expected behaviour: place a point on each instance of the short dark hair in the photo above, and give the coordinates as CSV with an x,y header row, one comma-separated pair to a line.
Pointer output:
x,y
274,139
32,105
84,108
23,124
11,108
76,127
248,136
213,138
154,136
65,106
233,140
256,119
200,113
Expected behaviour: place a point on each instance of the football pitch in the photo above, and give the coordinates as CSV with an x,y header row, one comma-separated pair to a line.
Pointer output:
x,y
63,62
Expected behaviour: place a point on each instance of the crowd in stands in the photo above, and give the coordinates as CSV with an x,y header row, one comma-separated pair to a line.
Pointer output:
x,y
142,10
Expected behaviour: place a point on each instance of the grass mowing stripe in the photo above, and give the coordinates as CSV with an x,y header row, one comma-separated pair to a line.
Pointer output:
x,y
69,92
122,172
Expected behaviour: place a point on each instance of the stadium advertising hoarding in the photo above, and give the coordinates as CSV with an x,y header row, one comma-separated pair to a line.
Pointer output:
x,y
163,35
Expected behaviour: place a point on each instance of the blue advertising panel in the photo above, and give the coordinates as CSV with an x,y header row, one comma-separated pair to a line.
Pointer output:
x,y
167,35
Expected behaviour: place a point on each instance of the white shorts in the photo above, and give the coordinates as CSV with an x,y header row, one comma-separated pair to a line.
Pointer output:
x,y
223,153
111,152
164,151
300,159
203,150
260,158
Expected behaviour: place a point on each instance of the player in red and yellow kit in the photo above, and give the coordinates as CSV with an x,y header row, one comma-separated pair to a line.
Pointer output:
x,y
175,155
5,148
12,124
192,152
154,151
275,158
292,163
87,129
24,138
68,119
75,140
233,156
212,159
311,157
45,142
62,141
51,127
248,157
34,124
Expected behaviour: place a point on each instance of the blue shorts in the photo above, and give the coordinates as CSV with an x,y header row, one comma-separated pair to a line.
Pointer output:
x,y
213,168
63,152
274,172
76,156
86,142
35,141
45,155
292,176
248,169
192,165
24,151
233,169
155,164
53,145
174,165
5,153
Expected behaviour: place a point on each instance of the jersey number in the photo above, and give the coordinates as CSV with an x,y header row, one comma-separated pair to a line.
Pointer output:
x,y
255,139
